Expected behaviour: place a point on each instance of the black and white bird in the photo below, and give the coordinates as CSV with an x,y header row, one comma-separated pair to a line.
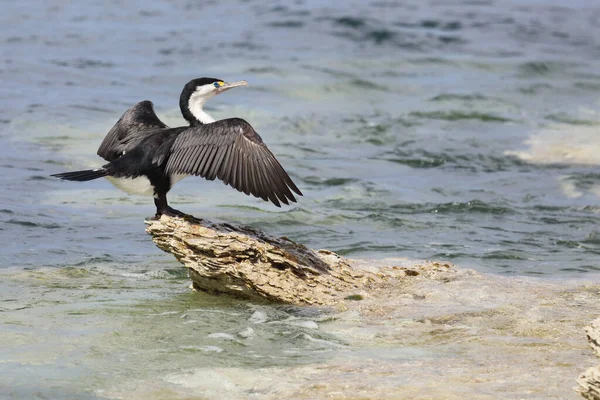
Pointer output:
x,y
147,157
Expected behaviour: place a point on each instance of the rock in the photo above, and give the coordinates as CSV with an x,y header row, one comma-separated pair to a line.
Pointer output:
x,y
593,335
241,261
589,381
247,333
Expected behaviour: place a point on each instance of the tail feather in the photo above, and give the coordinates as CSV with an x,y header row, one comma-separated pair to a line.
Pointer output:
x,y
82,176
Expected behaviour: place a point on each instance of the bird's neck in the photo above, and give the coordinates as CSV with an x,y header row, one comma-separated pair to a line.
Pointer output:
x,y
197,115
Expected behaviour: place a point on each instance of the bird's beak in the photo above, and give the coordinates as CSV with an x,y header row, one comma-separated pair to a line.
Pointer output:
x,y
229,85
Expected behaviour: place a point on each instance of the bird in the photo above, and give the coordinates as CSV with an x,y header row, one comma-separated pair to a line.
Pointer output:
x,y
147,157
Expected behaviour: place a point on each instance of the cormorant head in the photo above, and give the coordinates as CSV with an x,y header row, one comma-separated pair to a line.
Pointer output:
x,y
195,94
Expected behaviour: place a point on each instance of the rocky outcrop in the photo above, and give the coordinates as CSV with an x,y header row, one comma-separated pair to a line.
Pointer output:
x,y
245,262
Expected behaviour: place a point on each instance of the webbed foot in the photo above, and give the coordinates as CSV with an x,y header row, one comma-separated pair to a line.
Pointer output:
x,y
171,212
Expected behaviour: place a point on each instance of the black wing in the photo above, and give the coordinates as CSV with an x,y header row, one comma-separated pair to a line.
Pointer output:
x,y
232,151
129,130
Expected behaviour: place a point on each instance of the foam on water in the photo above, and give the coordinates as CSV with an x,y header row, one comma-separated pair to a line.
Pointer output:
x,y
570,144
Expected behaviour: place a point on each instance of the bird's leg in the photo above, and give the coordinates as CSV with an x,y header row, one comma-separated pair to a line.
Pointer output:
x,y
162,208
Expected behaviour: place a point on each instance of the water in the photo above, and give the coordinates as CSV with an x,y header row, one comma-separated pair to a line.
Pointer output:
x,y
457,130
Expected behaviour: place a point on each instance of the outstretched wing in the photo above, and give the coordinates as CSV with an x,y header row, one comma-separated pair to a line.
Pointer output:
x,y
129,130
232,151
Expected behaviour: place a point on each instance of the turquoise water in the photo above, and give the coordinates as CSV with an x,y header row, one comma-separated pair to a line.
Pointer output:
x,y
456,130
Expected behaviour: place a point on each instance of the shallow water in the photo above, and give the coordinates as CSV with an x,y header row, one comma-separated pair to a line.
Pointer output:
x,y
458,130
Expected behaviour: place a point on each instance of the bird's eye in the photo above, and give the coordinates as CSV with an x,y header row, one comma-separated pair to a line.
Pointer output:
x,y
216,84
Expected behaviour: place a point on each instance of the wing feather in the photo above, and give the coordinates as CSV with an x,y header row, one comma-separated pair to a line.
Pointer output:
x,y
280,178
285,177
233,152
235,160
234,169
269,175
245,173
216,164
256,185
224,174
195,158
268,192
183,154
206,161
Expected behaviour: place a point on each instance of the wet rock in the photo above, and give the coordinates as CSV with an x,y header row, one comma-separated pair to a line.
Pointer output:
x,y
247,333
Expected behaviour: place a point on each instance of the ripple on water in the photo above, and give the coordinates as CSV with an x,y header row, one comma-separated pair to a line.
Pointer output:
x,y
568,119
321,181
105,258
592,238
458,115
412,36
409,159
364,247
39,178
452,97
31,224
584,181
582,268
542,68
358,29
83,63
287,24
270,70
591,86
375,133
390,212
350,22
506,255
473,206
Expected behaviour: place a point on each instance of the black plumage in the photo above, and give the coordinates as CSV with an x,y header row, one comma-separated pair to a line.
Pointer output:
x,y
129,130
224,149
141,148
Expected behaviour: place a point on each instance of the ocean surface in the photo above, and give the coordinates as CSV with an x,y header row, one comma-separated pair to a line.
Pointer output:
x,y
460,130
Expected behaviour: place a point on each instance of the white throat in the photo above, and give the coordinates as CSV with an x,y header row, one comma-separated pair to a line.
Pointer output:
x,y
196,104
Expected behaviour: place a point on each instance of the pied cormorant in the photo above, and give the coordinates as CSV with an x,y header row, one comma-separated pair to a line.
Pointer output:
x,y
147,157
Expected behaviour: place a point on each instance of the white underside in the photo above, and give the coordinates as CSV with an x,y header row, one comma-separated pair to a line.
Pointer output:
x,y
140,185
177,177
